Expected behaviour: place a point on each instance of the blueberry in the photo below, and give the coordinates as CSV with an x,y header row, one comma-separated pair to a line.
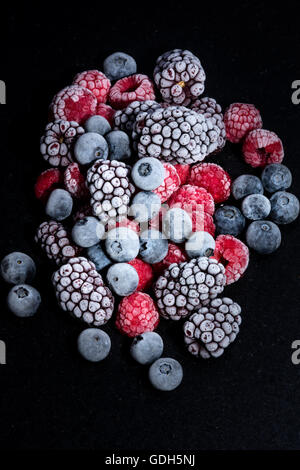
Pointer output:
x,y
147,347
59,205
256,207
200,244
98,125
263,236
17,268
229,220
98,257
284,207
177,225
122,244
89,147
87,232
153,246
122,278
276,177
148,173
93,344
145,206
23,300
165,374
246,184
118,145
119,65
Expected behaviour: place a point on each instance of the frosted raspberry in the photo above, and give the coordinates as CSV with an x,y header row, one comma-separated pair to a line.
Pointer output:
x,y
233,254
191,198
262,147
46,182
213,178
137,314
74,103
203,222
106,111
239,119
94,81
145,273
134,88
75,181
183,172
170,184
175,255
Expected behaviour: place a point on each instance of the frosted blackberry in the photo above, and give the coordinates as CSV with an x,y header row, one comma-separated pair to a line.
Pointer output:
x,y
165,374
23,300
145,206
284,207
97,255
119,65
256,207
263,236
213,111
87,232
148,173
179,76
122,244
55,242
59,205
17,268
93,344
200,244
123,279
97,124
276,177
246,184
182,287
118,145
229,220
177,225
89,147
124,119
153,246
210,330
147,347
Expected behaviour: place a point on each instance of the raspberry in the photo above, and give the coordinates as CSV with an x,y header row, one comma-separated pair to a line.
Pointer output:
x,y
137,314
48,180
145,273
213,178
94,81
183,172
134,88
170,184
74,103
233,254
175,255
203,222
190,197
262,147
106,111
75,182
239,119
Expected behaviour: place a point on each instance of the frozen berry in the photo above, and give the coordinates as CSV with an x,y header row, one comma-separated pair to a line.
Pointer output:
x,y
261,147
94,344
256,207
193,199
244,185
46,182
98,124
17,267
96,254
177,225
153,246
148,173
94,81
263,236
137,314
118,145
170,184
145,273
89,147
134,88
123,222
145,206
203,222
123,279
122,244
59,205
213,178
175,255
74,103
74,181
239,119
276,177
284,207
233,254
165,374
119,65
84,210
106,111
229,220
87,232
147,347
183,172
23,300
200,244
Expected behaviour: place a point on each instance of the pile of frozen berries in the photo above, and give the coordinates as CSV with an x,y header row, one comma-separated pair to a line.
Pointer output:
x,y
136,222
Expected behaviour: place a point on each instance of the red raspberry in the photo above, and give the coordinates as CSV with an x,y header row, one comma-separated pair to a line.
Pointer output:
x,y
137,314
134,88
183,172
75,182
94,81
213,178
170,184
203,222
74,103
175,255
107,112
145,273
46,182
190,197
262,147
239,119
233,254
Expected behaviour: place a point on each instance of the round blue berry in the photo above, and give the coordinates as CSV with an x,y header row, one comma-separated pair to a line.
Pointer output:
x,y
118,145
98,257
23,300
59,205
229,220
122,244
147,347
93,344
200,244
119,65
256,207
276,177
148,173
87,232
177,225
246,184
89,147
145,206
17,268
165,374
153,246
97,124
284,207
123,279
263,236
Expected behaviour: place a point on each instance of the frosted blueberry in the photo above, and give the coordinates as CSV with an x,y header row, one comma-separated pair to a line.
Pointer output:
x,y
59,205
118,145
246,184
89,147
93,344
165,374
87,232
229,220
147,347
122,244
153,246
119,65
98,125
256,207
276,177
145,206
284,207
148,173
263,236
17,267
123,279
98,257
200,244
177,225
23,300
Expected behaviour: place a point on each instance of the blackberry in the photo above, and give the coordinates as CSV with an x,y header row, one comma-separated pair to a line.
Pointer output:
x,y
213,111
55,242
284,207
124,119
276,177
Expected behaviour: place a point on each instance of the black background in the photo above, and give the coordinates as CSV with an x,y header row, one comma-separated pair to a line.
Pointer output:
x,y
50,397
